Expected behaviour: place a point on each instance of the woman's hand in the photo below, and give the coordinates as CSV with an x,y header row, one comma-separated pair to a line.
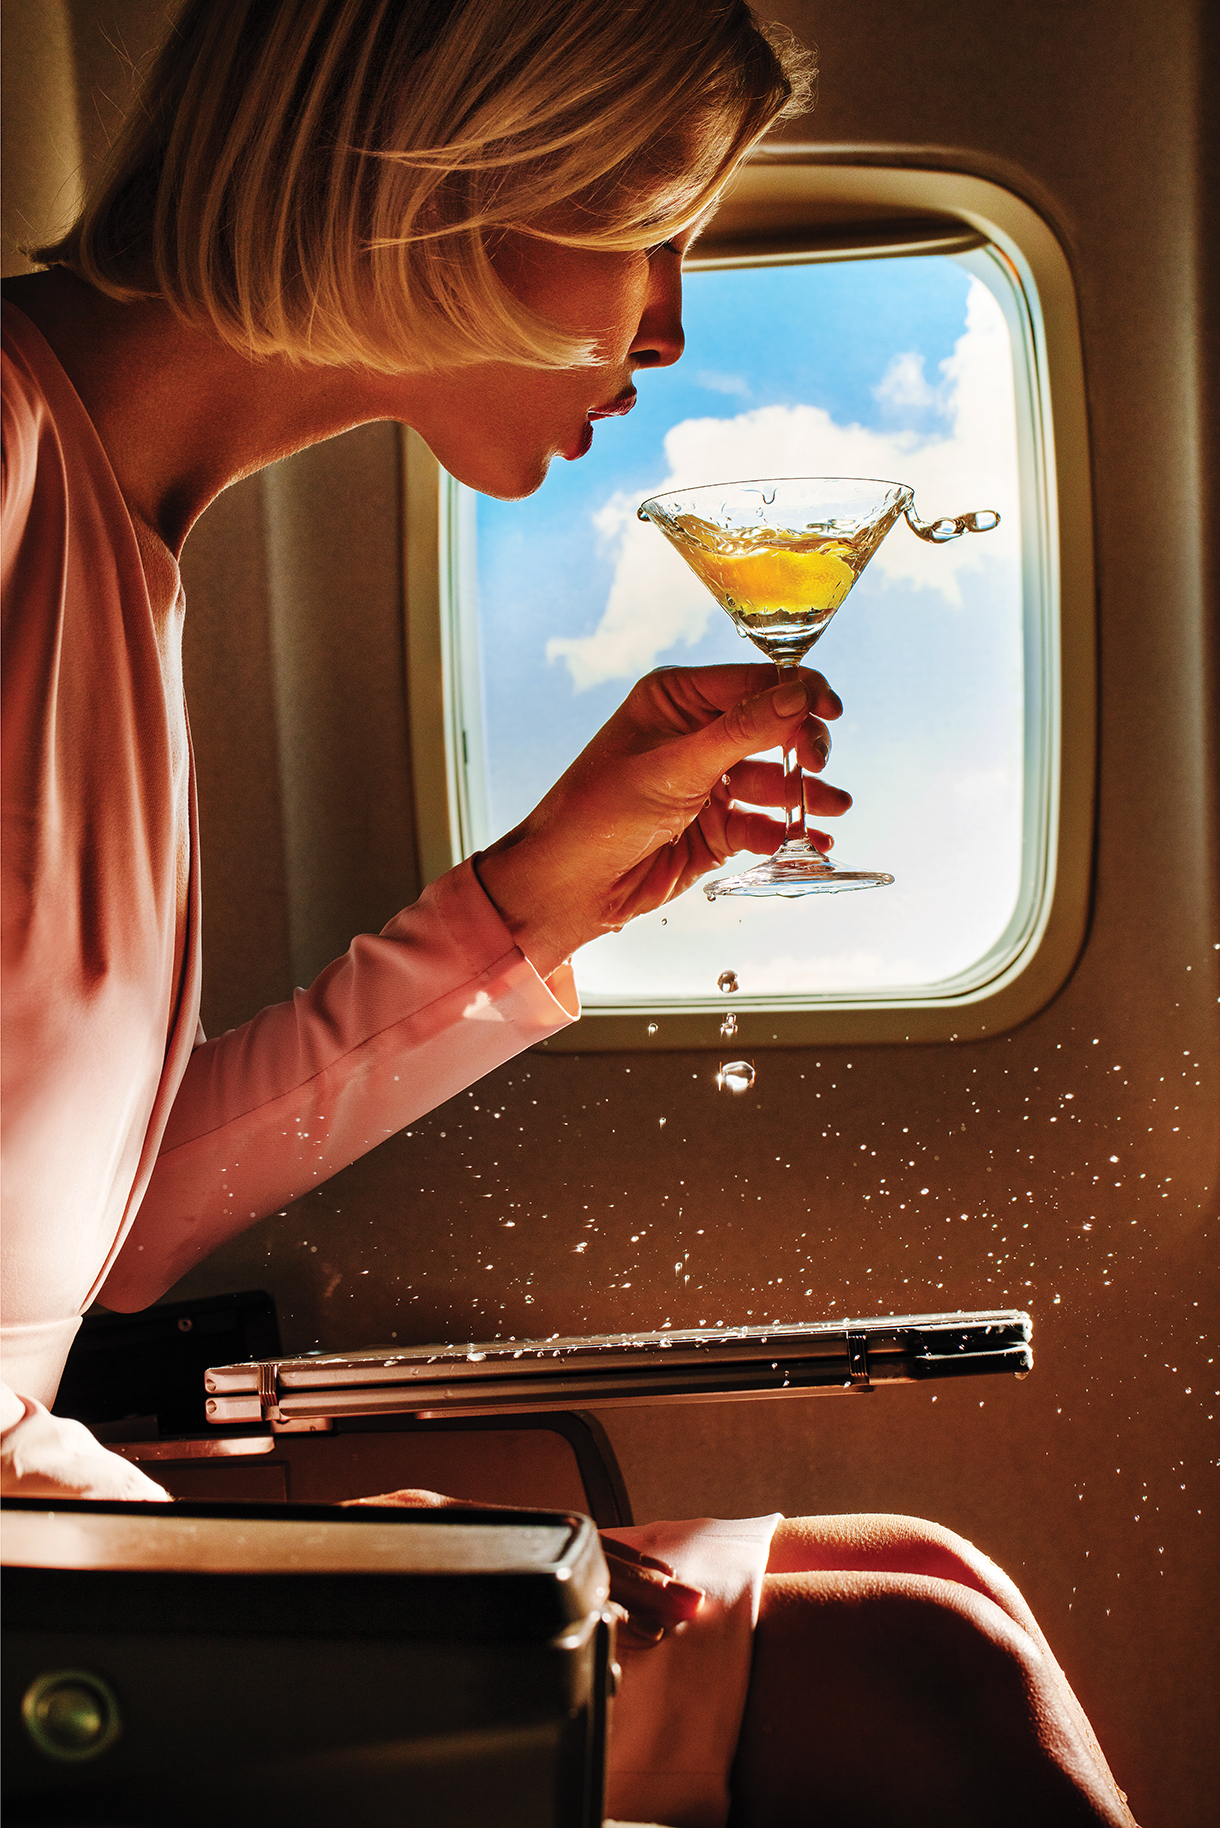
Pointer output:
x,y
644,1592
657,799
648,1596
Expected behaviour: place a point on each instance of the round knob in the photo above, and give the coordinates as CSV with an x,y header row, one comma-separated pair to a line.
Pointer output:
x,y
70,1714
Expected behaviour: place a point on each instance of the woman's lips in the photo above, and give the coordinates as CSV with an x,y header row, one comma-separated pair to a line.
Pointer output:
x,y
614,409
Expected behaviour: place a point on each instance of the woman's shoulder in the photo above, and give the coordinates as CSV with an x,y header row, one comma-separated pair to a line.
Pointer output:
x,y
23,404
52,452
43,419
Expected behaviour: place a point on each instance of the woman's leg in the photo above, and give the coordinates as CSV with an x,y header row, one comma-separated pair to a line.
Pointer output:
x,y
899,1678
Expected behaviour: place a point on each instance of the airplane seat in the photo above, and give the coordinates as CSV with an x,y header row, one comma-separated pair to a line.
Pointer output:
x,y
293,1668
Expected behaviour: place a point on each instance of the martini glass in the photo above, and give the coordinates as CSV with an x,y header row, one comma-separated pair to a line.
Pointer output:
x,y
780,557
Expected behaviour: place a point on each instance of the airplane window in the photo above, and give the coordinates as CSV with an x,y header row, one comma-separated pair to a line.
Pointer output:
x,y
917,367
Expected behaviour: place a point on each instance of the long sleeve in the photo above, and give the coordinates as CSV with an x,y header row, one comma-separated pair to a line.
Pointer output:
x,y
48,1456
406,1019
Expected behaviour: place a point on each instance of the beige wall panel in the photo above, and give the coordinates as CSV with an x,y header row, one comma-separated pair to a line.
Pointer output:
x,y
231,688
333,554
70,67
40,144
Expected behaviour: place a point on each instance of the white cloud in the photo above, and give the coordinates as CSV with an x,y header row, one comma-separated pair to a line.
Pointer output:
x,y
656,603
718,383
904,383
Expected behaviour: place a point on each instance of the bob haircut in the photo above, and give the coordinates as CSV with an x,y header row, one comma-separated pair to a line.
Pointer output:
x,y
326,179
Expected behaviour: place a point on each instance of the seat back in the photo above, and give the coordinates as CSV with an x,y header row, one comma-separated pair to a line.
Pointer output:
x,y
303,1665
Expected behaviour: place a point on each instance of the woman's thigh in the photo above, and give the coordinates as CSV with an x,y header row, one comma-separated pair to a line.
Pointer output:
x,y
882,1697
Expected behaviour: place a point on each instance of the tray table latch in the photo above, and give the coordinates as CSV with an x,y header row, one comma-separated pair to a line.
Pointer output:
x,y
857,1358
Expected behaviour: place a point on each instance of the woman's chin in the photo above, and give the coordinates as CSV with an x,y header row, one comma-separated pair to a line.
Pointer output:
x,y
504,475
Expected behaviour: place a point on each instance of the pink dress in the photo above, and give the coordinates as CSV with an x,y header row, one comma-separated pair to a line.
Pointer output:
x,y
132,1146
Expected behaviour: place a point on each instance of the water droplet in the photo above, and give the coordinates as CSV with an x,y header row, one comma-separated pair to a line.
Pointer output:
x,y
652,1028
728,1027
664,923
735,1076
727,981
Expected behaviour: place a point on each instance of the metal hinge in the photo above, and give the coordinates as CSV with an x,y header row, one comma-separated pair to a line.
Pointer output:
x,y
268,1390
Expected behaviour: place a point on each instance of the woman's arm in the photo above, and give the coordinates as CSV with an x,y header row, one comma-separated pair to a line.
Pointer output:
x,y
454,985
406,1019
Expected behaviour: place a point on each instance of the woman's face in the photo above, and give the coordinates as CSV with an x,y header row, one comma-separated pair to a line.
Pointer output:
x,y
496,426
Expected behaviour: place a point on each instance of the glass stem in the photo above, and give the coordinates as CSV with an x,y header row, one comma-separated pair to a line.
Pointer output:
x,y
794,782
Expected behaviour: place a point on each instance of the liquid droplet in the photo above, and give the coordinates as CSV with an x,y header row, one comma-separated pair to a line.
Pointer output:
x,y
728,1027
727,981
735,1076
652,1028
664,923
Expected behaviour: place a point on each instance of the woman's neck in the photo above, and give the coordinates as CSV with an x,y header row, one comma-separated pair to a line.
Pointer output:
x,y
179,413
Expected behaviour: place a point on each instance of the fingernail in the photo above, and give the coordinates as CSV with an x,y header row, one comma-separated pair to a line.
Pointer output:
x,y
823,749
790,697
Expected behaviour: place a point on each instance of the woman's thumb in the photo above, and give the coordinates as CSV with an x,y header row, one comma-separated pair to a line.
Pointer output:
x,y
768,720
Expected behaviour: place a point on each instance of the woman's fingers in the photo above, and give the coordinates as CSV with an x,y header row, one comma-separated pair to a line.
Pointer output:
x,y
623,1551
645,809
787,715
766,720
725,827
689,704
757,832
652,1598
813,745
762,784
827,801
415,1498
700,694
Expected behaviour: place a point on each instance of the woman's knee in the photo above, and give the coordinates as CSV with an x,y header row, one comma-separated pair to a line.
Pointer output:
x,y
898,1628
884,1543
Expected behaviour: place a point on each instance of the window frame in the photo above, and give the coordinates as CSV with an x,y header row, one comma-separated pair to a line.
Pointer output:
x,y
791,206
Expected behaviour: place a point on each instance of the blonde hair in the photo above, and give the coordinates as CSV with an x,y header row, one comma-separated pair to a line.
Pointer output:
x,y
326,179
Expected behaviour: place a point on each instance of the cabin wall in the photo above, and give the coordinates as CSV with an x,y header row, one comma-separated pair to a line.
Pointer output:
x,y
1091,1482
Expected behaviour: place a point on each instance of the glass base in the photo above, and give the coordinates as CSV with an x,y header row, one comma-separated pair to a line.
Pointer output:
x,y
796,869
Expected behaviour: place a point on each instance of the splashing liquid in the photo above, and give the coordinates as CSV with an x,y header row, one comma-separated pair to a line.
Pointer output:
x,y
735,1076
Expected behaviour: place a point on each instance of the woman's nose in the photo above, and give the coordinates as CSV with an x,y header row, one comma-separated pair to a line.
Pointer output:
x,y
660,339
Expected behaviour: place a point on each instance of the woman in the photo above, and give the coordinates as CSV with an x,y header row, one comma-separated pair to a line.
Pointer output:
x,y
468,216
